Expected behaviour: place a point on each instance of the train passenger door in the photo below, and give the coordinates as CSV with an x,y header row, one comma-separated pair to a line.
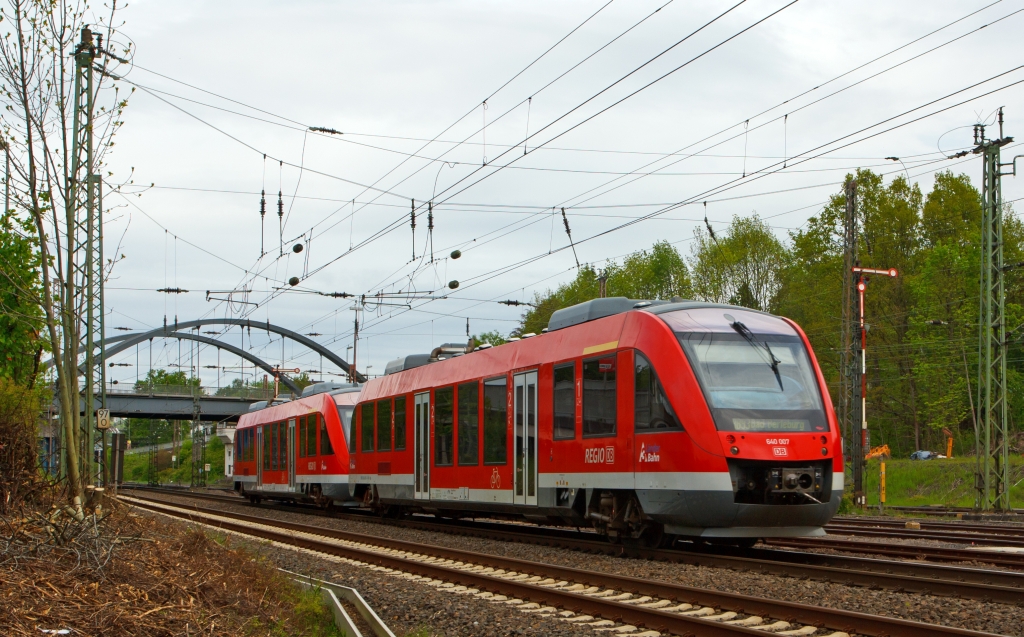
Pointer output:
x,y
291,454
524,427
259,456
421,443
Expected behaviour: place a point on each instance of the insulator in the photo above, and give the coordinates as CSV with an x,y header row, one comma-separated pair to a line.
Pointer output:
x,y
263,203
280,205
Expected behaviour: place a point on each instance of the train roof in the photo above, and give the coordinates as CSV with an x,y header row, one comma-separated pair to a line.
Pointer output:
x,y
574,315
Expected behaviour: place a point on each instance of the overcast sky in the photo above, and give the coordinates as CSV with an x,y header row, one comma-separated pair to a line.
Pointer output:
x,y
392,76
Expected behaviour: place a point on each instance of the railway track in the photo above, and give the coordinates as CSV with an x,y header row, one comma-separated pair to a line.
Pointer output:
x,y
915,577
990,535
585,597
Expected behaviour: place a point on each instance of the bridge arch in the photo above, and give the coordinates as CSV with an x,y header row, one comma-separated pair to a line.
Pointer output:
x,y
173,330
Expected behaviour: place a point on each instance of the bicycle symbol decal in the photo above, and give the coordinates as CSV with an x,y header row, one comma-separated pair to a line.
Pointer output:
x,y
495,479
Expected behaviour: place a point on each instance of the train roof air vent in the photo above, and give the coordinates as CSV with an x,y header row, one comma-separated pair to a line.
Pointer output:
x,y
321,388
406,362
595,309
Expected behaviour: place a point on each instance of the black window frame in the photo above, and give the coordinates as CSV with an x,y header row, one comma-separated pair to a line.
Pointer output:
x,y
489,420
614,394
555,429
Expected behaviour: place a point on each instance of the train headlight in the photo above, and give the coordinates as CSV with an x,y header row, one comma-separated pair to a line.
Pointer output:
x,y
730,439
734,450
824,451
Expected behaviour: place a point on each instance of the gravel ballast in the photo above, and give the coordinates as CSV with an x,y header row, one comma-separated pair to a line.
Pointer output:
x,y
430,609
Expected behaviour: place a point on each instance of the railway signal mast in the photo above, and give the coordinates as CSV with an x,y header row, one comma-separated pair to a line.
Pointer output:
x,y
861,441
992,444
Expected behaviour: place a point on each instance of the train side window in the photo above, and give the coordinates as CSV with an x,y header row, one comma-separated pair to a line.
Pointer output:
x,y
400,423
651,409
599,388
282,445
275,445
300,423
444,421
267,440
311,428
384,425
565,401
366,433
469,424
325,439
496,421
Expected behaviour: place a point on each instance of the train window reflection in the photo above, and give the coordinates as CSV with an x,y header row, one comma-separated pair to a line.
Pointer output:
x,y
495,421
599,400
565,401
469,421
326,449
444,422
366,427
400,423
652,411
384,425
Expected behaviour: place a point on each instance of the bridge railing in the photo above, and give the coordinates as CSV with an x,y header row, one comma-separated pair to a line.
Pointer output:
x,y
247,393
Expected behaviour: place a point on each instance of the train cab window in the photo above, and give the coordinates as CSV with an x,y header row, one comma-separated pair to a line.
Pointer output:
x,y
366,427
651,411
400,423
384,425
312,422
267,447
444,421
469,424
565,401
325,440
495,421
599,389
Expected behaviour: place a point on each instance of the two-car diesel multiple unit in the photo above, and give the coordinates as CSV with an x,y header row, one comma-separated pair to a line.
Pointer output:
x,y
641,419
646,420
297,449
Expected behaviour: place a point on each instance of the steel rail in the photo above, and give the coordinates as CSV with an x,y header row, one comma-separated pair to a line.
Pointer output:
x,y
909,551
928,525
940,536
843,620
914,577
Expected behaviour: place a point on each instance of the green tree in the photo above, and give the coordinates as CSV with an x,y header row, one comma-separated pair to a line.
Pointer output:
x,y
493,338
743,266
660,273
21,312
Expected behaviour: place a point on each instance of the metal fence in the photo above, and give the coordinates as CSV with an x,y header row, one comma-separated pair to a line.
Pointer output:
x,y
248,393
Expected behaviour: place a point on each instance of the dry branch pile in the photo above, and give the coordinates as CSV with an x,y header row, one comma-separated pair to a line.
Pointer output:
x,y
130,575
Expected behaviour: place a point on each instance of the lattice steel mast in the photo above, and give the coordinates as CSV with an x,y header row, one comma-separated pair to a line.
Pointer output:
x,y
85,196
992,446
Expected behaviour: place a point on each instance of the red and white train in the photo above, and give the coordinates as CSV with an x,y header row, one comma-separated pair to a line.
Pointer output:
x,y
646,420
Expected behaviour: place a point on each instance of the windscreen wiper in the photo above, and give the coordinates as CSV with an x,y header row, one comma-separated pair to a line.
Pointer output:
x,y
748,336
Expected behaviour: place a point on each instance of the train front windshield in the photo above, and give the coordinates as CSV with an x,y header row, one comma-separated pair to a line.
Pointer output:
x,y
753,368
